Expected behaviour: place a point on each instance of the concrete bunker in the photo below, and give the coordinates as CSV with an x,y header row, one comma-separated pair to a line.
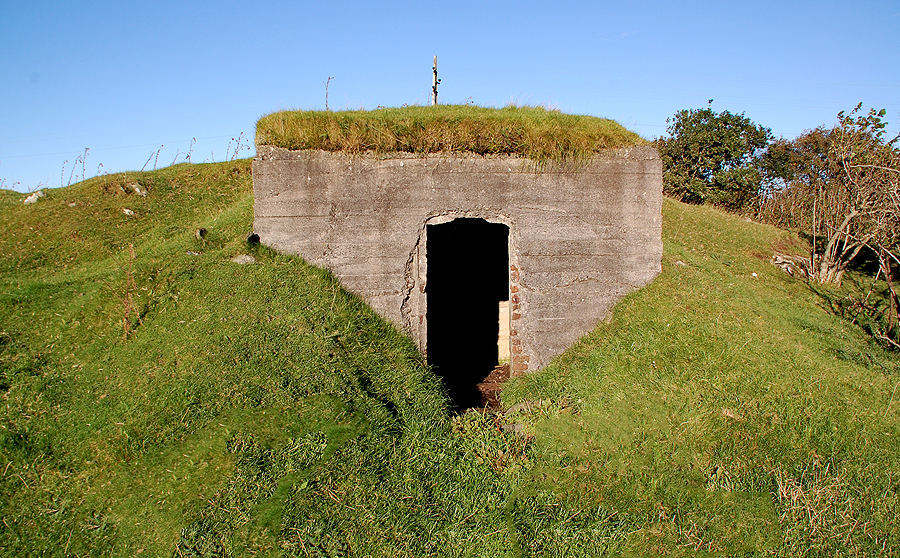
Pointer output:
x,y
466,280
577,240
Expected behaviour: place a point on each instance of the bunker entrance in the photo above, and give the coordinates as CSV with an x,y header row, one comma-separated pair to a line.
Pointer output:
x,y
467,281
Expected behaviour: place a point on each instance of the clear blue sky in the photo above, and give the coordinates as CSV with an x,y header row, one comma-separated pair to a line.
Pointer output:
x,y
124,78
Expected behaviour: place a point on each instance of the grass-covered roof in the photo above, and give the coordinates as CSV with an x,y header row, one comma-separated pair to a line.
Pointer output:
x,y
533,132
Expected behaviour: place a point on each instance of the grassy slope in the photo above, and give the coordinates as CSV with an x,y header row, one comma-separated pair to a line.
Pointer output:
x,y
539,134
111,443
728,412
261,408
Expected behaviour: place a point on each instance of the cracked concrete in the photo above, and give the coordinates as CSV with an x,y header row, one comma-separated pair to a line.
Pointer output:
x,y
579,240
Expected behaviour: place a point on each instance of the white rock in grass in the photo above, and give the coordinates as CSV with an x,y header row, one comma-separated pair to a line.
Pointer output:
x,y
243,259
34,197
127,211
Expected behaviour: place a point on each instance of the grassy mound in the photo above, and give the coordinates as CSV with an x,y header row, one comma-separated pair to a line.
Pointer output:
x,y
532,132
158,398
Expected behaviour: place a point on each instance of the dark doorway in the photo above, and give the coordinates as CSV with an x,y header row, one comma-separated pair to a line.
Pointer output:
x,y
468,276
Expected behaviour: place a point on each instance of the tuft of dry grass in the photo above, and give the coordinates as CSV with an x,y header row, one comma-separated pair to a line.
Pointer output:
x,y
536,133
818,510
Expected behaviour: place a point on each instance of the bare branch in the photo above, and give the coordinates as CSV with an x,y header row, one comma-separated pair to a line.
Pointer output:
x,y
879,167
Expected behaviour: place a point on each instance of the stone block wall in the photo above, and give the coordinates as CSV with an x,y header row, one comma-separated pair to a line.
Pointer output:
x,y
579,239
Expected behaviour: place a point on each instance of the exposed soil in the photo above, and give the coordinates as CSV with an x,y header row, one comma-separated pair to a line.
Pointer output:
x,y
491,386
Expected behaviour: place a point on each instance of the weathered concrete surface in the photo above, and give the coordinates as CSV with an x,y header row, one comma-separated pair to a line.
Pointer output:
x,y
579,240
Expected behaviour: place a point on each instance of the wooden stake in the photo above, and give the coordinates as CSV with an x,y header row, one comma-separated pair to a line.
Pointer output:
x,y
434,83
327,83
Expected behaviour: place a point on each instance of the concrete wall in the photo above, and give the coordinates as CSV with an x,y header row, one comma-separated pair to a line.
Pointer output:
x,y
579,240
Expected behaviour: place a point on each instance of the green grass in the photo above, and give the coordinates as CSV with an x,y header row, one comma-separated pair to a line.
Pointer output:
x,y
237,403
262,410
727,412
541,135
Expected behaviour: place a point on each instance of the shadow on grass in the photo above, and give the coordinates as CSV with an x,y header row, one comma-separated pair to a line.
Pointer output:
x,y
861,301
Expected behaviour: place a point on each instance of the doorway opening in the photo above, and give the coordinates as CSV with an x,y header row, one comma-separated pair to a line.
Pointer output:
x,y
467,280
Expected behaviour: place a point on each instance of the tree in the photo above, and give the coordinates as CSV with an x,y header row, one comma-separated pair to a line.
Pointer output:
x,y
839,187
814,198
842,188
871,167
711,157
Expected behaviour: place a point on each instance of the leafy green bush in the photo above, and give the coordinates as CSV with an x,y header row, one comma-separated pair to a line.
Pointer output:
x,y
711,157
